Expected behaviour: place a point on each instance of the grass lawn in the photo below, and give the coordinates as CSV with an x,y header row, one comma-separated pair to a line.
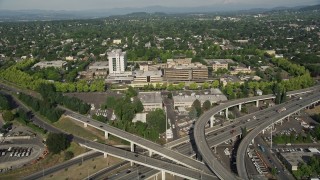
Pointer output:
x,y
49,161
78,129
313,111
81,171
90,133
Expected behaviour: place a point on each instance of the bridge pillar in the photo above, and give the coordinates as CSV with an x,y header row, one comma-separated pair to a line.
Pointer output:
x,y
257,103
240,106
252,141
106,135
163,175
105,155
211,121
150,153
281,121
263,131
132,146
85,125
227,113
215,149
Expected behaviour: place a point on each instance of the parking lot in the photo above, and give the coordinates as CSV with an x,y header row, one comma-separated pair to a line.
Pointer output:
x,y
13,156
257,161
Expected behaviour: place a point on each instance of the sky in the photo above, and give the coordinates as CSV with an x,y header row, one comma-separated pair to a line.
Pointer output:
x,y
110,4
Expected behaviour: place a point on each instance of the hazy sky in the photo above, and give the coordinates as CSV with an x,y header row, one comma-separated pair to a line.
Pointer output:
x,y
108,4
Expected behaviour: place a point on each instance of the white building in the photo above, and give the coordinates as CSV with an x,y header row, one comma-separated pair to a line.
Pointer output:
x,y
142,117
117,61
46,64
186,101
151,100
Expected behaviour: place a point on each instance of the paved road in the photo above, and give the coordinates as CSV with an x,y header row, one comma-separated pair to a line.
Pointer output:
x,y
273,162
149,161
171,115
63,165
106,170
149,145
291,108
200,138
197,135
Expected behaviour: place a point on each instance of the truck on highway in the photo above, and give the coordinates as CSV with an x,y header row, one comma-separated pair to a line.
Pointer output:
x,y
281,109
261,148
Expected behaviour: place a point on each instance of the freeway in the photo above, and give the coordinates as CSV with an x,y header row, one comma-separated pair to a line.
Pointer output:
x,y
232,103
215,136
291,108
144,160
158,163
149,145
200,138
63,165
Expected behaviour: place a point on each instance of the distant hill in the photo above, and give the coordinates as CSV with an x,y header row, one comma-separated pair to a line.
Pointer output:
x,y
44,15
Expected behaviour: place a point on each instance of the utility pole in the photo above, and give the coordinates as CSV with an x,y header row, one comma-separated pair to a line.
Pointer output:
x,y
165,107
271,135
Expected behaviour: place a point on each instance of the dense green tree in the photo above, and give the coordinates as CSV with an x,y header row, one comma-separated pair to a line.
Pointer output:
x,y
57,142
193,86
137,104
7,115
193,113
206,105
197,105
4,103
157,120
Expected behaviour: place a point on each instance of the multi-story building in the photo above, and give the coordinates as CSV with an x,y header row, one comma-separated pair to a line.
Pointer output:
x,y
117,61
151,100
219,65
147,76
186,72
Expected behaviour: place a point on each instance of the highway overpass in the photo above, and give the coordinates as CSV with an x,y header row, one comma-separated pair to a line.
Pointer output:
x,y
199,130
291,108
158,164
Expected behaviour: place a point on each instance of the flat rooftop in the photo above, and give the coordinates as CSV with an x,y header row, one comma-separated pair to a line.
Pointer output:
x,y
218,61
148,73
201,98
150,97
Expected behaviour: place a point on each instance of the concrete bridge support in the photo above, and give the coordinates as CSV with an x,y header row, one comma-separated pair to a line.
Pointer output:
x,y
106,135
150,153
257,103
215,149
227,113
163,175
240,107
105,155
212,118
85,125
132,150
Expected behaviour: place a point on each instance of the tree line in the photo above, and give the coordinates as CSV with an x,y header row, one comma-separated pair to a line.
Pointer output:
x,y
16,74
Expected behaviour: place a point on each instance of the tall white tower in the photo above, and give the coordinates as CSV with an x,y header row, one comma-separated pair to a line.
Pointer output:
x,y
117,61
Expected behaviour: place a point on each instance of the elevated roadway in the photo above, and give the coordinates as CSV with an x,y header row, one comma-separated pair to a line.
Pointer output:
x,y
158,164
291,108
200,138
141,142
